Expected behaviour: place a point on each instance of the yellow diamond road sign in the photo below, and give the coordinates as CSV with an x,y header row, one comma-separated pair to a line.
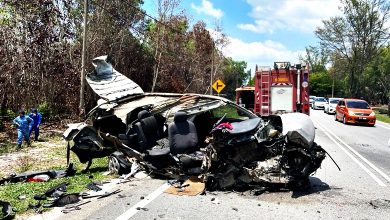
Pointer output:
x,y
218,85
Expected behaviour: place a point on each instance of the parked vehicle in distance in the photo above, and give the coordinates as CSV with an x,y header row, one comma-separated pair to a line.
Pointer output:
x,y
330,106
355,111
319,103
311,100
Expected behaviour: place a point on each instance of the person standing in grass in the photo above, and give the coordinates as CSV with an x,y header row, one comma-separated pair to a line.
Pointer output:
x,y
37,118
23,123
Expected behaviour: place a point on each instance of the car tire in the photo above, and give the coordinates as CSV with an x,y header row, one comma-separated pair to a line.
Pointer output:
x,y
117,164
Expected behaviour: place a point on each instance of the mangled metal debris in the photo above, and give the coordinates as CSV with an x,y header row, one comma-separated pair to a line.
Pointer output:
x,y
39,176
178,135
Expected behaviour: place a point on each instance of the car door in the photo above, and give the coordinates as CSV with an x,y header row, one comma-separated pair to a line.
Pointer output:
x,y
342,109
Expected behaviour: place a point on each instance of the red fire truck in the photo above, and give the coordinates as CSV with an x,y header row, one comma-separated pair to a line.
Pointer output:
x,y
283,89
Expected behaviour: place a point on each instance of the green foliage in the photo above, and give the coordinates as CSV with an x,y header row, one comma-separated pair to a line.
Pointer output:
x,y
321,85
382,117
377,77
5,14
234,76
11,114
45,109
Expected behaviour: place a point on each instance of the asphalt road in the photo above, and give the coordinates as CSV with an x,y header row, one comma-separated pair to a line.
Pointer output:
x,y
361,190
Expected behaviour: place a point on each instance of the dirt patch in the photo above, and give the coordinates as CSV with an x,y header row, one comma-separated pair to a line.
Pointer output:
x,y
48,152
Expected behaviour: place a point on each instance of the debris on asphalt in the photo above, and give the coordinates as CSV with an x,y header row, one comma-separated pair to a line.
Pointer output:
x,y
72,207
235,209
191,187
93,186
380,203
101,194
215,201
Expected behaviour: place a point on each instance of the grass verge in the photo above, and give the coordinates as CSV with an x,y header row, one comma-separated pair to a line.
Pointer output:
x,y
43,156
382,117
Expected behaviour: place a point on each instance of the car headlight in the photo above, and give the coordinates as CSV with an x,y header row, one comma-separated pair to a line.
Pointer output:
x,y
350,112
372,114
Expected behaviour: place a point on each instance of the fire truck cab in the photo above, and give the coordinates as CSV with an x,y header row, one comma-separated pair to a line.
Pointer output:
x,y
283,89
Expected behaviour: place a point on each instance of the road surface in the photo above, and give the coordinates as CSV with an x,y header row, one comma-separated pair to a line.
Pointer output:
x,y
361,190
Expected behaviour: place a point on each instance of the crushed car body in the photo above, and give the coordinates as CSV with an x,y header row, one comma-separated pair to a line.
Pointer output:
x,y
178,135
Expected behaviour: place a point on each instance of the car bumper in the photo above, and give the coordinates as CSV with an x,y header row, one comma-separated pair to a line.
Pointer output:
x,y
355,119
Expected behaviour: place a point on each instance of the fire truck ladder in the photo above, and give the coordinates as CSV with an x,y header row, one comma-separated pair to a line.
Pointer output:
x,y
265,92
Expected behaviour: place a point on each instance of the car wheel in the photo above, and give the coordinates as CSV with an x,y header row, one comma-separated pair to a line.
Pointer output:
x,y
117,164
113,165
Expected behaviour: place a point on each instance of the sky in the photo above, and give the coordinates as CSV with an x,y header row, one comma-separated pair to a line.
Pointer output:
x,y
261,32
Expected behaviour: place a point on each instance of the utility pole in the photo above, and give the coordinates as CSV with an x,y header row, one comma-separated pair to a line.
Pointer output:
x,y
82,77
333,85
212,69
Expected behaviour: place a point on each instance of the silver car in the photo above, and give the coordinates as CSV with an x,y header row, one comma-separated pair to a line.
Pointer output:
x,y
330,106
319,103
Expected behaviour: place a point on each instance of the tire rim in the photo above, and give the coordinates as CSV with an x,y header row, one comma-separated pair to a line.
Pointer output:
x,y
113,165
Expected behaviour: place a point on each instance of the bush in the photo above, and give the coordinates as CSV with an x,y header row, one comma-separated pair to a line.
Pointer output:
x,y
45,110
6,115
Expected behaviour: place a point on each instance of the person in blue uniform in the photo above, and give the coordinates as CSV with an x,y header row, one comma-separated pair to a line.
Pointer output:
x,y
23,123
37,118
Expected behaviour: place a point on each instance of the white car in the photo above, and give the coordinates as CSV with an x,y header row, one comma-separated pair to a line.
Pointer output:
x,y
319,103
330,106
311,100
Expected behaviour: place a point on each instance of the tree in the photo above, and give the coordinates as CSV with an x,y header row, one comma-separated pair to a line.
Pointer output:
x,y
234,76
357,37
377,77
316,57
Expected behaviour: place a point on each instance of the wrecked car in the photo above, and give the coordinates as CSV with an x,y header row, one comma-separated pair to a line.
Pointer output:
x,y
178,135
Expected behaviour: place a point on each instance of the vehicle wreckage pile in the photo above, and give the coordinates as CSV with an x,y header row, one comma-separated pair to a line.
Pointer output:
x,y
182,135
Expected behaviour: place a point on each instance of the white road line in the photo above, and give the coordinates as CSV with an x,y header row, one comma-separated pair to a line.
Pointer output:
x,y
377,124
133,210
380,182
386,177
